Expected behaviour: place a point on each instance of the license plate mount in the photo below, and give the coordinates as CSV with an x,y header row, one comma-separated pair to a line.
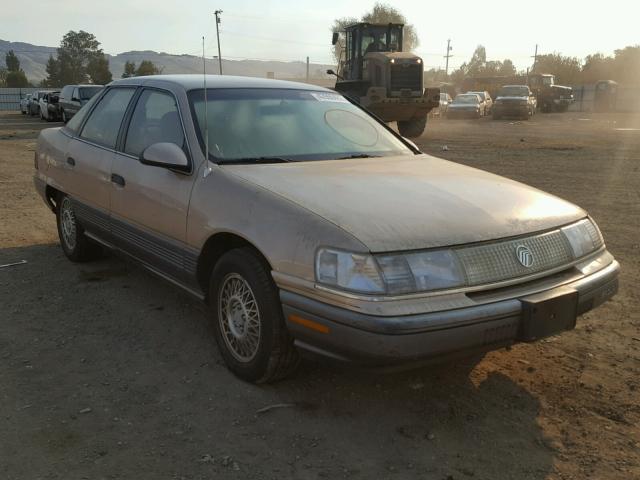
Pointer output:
x,y
548,313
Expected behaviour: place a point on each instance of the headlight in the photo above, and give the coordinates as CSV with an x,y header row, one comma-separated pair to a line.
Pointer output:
x,y
350,271
389,274
584,237
418,272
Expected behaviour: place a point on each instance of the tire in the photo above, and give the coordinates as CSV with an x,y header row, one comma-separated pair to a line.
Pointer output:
x,y
412,128
271,356
75,244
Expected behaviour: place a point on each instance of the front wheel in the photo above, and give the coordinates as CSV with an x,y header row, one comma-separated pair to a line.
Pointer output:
x,y
75,244
248,322
412,128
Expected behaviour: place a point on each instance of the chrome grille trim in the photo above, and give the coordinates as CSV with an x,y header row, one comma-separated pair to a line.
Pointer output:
x,y
496,262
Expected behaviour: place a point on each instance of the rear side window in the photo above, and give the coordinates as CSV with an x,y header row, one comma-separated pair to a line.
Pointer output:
x,y
104,122
155,119
66,92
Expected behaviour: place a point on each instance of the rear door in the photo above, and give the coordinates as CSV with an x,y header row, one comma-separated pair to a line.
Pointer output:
x,y
149,204
89,157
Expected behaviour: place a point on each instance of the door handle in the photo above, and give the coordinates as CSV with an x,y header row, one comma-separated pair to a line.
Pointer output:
x,y
71,161
117,179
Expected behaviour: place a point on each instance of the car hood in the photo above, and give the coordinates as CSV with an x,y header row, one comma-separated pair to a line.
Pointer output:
x,y
412,202
472,106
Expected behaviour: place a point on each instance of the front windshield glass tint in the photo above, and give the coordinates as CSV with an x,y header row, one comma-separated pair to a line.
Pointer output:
x,y
514,92
290,124
466,99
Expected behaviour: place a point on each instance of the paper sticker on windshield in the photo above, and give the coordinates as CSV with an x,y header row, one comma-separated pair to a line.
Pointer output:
x,y
329,97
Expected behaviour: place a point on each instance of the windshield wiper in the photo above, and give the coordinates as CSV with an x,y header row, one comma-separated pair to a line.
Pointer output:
x,y
237,161
358,155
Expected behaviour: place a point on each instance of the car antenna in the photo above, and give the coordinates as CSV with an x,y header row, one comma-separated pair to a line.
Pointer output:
x,y
207,169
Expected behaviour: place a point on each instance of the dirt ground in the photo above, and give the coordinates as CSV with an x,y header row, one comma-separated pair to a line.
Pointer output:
x,y
108,372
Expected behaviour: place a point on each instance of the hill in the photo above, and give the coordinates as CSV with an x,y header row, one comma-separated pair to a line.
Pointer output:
x,y
33,60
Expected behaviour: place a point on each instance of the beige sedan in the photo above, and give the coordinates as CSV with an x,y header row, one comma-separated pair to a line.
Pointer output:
x,y
310,227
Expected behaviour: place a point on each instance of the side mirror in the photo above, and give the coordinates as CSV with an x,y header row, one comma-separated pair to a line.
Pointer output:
x,y
75,99
331,72
334,38
165,154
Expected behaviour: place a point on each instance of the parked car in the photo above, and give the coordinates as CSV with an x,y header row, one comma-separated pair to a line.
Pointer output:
x,y
73,97
300,219
466,105
24,103
514,101
34,104
487,102
49,108
445,101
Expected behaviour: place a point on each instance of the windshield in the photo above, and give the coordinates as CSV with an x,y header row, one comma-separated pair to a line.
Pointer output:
x,y
288,124
548,81
480,94
87,92
466,99
514,91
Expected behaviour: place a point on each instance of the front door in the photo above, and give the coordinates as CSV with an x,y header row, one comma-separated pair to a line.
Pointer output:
x,y
149,204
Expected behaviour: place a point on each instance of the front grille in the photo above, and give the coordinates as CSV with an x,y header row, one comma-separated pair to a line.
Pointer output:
x,y
495,262
406,76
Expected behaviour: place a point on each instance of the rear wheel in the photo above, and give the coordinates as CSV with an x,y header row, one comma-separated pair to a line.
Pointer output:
x,y
412,128
75,244
248,322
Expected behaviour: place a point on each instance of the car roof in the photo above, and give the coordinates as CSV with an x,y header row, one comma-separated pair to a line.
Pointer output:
x,y
195,81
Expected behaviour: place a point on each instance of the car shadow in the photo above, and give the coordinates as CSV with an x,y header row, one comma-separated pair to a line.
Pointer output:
x,y
108,370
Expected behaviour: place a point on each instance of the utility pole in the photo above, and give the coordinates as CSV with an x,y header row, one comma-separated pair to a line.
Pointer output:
x,y
449,48
307,69
535,58
217,14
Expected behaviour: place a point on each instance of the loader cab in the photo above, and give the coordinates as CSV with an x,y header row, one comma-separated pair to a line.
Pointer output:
x,y
364,38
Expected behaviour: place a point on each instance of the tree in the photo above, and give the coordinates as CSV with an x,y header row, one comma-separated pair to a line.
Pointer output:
x,y
147,67
53,73
381,13
567,70
626,65
80,58
129,69
15,77
479,66
3,77
98,70
12,61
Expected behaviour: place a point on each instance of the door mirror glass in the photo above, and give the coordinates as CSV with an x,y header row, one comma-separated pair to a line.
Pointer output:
x,y
165,154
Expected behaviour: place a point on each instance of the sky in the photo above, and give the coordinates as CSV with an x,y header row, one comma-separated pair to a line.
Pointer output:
x,y
295,29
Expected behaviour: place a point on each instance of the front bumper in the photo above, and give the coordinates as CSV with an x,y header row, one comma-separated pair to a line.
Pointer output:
x,y
507,110
345,335
456,113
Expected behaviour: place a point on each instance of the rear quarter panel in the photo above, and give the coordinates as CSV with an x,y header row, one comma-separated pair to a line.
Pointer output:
x,y
50,154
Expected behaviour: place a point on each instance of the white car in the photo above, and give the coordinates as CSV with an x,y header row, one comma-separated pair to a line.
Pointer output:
x,y
24,104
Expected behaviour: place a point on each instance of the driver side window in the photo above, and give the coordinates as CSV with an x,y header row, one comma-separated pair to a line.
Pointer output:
x,y
155,119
